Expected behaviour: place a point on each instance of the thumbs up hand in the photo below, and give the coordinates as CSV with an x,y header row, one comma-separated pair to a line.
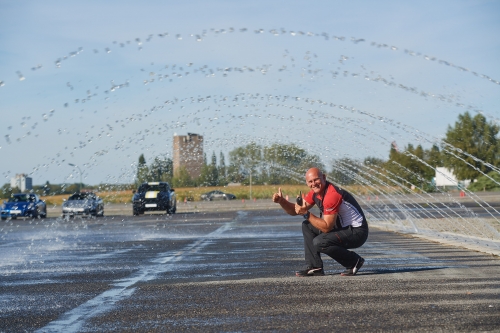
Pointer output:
x,y
278,196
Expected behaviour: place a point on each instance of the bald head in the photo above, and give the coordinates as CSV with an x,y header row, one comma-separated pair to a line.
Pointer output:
x,y
314,172
315,180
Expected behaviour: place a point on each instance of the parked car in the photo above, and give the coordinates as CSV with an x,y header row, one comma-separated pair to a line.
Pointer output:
x,y
83,203
23,205
154,196
217,195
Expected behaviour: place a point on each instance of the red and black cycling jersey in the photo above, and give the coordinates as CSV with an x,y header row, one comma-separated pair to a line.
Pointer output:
x,y
338,201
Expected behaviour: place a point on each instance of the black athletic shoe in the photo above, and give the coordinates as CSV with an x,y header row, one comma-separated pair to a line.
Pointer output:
x,y
311,271
353,270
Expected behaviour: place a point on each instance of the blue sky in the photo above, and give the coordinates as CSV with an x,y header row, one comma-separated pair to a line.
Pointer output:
x,y
97,83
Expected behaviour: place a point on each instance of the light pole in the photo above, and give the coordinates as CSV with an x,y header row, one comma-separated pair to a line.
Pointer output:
x,y
79,185
250,184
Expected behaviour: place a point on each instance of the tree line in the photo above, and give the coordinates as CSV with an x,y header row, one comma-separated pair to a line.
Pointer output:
x,y
470,149
274,164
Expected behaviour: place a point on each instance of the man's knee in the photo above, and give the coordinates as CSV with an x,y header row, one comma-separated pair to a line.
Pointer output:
x,y
320,244
316,242
332,250
323,243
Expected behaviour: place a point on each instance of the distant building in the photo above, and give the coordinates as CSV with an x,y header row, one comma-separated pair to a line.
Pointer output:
x,y
446,179
22,182
188,153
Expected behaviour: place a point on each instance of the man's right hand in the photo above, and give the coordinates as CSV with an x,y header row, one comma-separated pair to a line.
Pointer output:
x,y
277,196
288,207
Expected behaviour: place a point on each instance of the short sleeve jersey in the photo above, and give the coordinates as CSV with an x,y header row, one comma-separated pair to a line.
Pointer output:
x,y
338,201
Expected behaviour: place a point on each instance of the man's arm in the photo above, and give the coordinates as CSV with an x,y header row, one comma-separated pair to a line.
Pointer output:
x,y
288,207
325,224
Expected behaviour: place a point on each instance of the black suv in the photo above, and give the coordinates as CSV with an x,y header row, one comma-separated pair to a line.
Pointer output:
x,y
154,196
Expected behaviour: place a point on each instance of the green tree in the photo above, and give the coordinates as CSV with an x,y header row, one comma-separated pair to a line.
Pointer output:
x,y
209,173
339,174
287,163
161,169
410,164
182,178
6,191
372,170
222,170
70,188
244,162
46,188
486,183
142,170
373,161
214,170
477,146
433,156
275,164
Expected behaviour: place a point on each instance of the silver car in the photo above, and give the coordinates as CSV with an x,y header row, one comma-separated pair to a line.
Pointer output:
x,y
83,203
217,195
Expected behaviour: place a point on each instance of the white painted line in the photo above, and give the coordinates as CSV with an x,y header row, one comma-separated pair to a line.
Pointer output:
x,y
73,320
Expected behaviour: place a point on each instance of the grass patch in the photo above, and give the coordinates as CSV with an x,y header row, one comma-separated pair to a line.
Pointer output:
x,y
194,193
241,192
108,197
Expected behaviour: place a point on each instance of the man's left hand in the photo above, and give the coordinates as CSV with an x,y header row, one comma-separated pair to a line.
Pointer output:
x,y
301,209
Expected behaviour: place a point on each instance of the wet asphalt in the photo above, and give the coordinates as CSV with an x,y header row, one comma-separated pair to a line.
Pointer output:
x,y
231,271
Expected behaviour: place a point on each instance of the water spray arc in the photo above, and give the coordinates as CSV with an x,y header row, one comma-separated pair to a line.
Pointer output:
x,y
293,92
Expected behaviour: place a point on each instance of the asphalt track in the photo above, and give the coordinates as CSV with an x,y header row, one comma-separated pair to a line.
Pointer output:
x,y
231,271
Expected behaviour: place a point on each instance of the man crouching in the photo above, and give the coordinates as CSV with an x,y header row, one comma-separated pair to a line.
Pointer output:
x,y
340,226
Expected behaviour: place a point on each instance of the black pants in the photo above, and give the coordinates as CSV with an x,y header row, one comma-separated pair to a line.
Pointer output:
x,y
334,243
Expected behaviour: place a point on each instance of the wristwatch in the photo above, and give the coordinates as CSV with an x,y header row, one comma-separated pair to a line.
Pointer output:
x,y
306,215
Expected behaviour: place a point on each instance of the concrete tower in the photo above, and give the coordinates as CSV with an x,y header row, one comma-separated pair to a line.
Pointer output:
x,y
188,153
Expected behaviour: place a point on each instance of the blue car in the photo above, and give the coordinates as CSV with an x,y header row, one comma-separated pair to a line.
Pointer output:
x,y
23,205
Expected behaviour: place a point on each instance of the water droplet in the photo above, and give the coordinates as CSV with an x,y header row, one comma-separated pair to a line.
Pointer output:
x,y
20,75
